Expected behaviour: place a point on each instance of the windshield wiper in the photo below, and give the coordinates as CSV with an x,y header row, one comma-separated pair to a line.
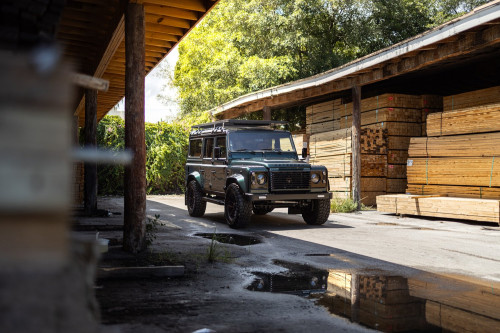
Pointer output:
x,y
276,150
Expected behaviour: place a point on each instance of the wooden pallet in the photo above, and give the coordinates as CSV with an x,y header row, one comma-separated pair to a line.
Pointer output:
x,y
486,210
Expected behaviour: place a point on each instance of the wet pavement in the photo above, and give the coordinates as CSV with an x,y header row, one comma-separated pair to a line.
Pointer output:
x,y
357,272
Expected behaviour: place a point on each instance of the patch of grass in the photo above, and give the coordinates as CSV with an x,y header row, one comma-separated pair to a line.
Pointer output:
x,y
345,205
216,252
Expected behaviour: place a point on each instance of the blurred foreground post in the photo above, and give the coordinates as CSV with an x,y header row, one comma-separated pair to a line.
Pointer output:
x,y
42,286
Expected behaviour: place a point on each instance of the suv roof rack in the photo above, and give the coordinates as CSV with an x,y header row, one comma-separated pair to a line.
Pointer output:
x,y
244,123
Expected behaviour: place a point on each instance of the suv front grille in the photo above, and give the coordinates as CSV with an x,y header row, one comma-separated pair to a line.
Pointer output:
x,y
290,180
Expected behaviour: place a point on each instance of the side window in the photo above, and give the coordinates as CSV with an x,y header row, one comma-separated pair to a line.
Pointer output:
x,y
209,148
221,142
195,147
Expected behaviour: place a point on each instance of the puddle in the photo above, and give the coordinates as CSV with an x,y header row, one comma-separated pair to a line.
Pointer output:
x,y
301,280
240,240
388,302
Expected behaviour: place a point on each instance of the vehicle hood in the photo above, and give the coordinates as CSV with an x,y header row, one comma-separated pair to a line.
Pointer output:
x,y
271,163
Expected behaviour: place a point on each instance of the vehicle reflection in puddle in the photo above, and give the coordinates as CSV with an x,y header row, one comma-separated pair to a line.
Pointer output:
x,y
301,280
392,303
240,240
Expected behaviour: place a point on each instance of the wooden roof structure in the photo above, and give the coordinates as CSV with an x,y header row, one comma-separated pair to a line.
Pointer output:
x,y
92,33
452,58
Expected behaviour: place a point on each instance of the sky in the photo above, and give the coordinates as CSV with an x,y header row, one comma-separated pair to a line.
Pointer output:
x,y
155,109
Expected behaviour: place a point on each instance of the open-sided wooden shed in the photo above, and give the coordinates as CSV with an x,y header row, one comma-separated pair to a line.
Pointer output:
x,y
121,42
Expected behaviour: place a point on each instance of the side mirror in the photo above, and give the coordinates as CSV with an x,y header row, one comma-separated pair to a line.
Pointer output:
x,y
216,152
304,153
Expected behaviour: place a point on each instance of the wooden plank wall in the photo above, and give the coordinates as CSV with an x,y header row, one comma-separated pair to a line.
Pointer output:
x,y
388,122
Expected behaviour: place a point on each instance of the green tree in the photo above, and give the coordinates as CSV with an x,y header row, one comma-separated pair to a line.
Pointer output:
x,y
248,45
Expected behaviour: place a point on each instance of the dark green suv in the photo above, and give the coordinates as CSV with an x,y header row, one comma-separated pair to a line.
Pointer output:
x,y
249,166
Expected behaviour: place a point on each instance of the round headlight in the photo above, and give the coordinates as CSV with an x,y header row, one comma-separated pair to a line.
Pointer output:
x,y
261,179
315,178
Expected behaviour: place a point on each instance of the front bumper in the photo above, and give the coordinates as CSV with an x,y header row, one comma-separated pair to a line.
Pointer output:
x,y
285,197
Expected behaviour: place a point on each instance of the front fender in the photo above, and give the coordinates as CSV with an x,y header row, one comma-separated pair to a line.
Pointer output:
x,y
238,179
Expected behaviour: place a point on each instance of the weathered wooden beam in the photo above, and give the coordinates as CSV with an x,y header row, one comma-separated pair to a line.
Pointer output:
x,y
267,113
196,5
165,29
168,21
355,145
135,174
89,82
171,12
90,171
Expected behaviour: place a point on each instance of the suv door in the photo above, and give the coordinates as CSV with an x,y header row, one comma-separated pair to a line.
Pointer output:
x,y
220,165
207,170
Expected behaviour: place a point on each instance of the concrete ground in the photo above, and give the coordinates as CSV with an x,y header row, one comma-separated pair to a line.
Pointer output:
x,y
214,295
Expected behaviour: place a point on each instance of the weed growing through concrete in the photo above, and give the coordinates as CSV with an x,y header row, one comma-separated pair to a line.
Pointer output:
x,y
152,229
216,252
345,205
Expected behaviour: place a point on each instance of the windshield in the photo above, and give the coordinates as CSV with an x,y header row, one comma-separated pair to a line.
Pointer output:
x,y
261,141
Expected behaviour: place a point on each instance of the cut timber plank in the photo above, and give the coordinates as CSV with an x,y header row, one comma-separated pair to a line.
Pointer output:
x,y
399,129
449,207
472,145
396,171
398,142
456,191
397,156
472,98
395,185
389,100
478,171
478,119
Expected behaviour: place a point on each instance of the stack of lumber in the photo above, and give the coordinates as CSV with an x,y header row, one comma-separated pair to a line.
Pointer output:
x,y
487,210
388,122
458,158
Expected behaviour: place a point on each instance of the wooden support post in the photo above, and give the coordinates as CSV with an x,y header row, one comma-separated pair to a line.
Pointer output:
x,y
90,170
267,113
355,145
355,298
135,173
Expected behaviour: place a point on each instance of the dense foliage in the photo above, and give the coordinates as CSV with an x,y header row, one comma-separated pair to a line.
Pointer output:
x,y
166,150
248,45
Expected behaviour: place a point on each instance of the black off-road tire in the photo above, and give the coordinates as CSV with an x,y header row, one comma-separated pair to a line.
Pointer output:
x,y
317,213
261,210
194,194
237,209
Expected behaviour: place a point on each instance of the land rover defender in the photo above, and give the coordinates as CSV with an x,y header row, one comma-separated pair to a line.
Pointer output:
x,y
251,166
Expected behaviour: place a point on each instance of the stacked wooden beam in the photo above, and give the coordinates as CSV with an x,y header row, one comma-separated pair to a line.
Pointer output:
x,y
387,123
487,210
458,158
